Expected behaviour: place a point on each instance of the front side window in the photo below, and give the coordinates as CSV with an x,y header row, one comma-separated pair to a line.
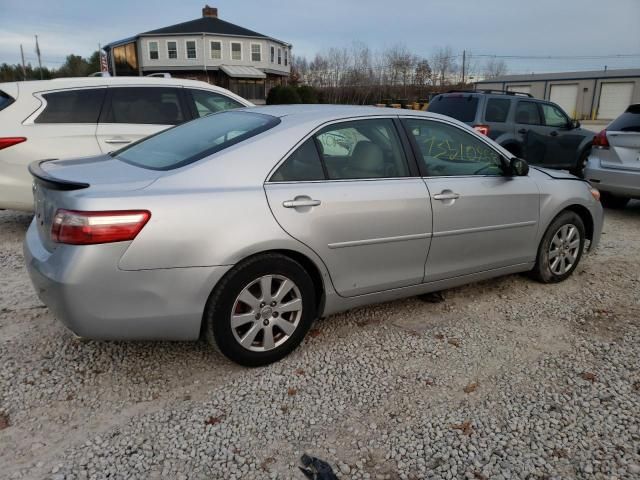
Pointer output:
x,y
553,116
206,102
73,106
236,51
497,110
528,113
153,50
273,53
216,50
303,165
195,140
172,50
362,149
5,100
256,52
145,105
279,56
191,49
450,151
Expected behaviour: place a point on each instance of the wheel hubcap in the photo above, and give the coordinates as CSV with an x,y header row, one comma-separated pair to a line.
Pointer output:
x,y
266,313
564,249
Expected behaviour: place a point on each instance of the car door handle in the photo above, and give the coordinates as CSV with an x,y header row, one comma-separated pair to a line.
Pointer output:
x,y
116,141
446,195
554,134
301,202
523,130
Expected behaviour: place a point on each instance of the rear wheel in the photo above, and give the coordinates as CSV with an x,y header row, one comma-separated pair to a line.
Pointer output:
x,y
560,249
612,201
261,310
578,170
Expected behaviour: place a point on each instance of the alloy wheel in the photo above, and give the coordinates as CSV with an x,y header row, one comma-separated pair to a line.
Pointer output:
x,y
564,249
266,313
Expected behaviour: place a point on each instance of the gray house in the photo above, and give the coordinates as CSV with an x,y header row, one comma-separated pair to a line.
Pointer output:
x,y
246,62
591,95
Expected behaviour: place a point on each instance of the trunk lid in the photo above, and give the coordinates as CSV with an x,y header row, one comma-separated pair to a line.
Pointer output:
x,y
59,184
624,151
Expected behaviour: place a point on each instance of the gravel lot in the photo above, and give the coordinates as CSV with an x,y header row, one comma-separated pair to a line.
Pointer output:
x,y
504,379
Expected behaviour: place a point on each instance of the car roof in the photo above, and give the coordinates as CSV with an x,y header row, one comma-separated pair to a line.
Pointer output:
x,y
71,82
329,111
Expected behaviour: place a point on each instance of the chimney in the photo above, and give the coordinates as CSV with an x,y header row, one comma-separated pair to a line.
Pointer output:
x,y
210,12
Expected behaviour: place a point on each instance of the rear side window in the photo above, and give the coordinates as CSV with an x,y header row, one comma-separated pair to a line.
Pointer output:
x,y
497,110
72,106
458,106
528,113
629,121
302,165
150,105
5,100
194,140
205,102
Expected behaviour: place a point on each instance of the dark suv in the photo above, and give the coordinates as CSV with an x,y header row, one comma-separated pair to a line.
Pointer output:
x,y
536,130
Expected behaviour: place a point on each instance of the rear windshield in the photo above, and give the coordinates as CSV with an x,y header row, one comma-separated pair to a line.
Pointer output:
x,y
461,107
194,140
5,100
629,121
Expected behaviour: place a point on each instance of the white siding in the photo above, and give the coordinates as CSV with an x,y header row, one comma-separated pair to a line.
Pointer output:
x,y
203,52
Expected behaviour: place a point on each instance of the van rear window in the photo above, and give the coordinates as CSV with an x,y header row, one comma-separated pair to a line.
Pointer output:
x,y
459,106
194,140
5,100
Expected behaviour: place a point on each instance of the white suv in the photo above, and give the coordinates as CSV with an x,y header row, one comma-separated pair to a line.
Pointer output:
x,y
79,117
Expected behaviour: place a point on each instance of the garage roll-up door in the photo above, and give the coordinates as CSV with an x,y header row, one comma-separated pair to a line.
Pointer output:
x,y
614,99
566,96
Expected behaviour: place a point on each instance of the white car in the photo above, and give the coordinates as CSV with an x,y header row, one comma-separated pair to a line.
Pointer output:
x,y
79,117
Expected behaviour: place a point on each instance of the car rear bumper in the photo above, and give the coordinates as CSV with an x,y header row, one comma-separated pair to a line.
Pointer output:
x,y
624,183
85,290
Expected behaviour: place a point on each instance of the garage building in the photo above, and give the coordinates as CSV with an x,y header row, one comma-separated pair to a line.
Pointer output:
x,y
591,95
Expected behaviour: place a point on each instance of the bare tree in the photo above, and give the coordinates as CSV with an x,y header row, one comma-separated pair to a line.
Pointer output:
x,y
495,67
444,65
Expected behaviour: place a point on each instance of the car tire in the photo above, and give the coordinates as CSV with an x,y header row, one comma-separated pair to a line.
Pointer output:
x,y
612,201
558,254
578,169
252,326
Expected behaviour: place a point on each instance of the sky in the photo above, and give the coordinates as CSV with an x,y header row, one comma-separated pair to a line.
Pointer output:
x,y
533,28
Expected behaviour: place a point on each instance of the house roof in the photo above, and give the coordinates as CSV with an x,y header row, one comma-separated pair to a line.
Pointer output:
x,y
208,25
625,72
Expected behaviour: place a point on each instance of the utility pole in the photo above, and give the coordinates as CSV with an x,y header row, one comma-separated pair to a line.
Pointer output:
x,y
24,67
39,59
464,61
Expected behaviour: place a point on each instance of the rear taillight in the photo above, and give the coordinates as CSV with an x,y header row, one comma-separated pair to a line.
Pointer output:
x,y
600,140
87,228
11,141
483,129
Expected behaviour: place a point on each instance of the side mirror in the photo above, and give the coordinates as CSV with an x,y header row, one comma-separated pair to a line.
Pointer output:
x,y
574,124
518,167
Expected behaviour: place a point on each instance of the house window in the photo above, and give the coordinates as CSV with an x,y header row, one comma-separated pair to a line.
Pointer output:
x,y
279,56
153,50
273,54
236,51
191,49
256,52
216,50
286,58
172,49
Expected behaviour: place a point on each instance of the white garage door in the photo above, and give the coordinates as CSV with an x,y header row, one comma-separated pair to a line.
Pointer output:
x,y
614,99
519,88
566,96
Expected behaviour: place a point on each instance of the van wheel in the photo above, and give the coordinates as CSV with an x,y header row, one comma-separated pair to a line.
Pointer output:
x,y
611,201
561,248
261,310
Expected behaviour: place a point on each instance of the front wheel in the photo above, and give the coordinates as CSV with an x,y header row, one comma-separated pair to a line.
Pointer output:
x,y
261,310
561,248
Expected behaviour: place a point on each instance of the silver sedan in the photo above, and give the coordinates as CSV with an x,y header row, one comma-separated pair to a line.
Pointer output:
x,y
245,226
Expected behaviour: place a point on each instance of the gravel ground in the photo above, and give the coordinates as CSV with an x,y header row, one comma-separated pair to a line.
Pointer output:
x,y
504,379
